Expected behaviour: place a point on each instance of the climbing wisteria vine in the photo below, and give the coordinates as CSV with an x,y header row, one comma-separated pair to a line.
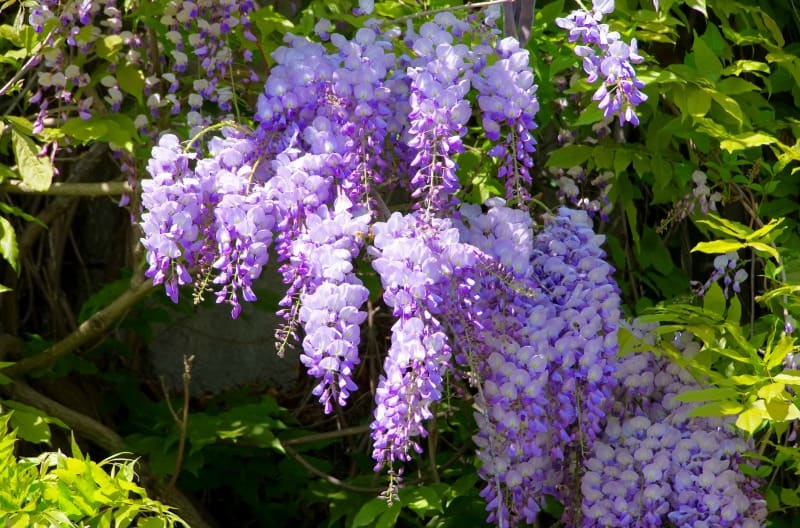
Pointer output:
x,y
353,153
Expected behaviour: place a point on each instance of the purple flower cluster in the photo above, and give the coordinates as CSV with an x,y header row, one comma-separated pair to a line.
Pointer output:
x,y
199,35
547,353
74,29
508,103
608,58
414,258
728,268
439,112
332,297
655,466
207,215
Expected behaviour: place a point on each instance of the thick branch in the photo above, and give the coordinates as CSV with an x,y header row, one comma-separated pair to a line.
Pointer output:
x,y
114,188
87,331
107,439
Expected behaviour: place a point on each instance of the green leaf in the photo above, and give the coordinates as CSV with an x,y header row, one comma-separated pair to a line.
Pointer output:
x,y
747,140
745,66
724,226
734,314
388,519
569,156
717,408
761,233
712,394
729,106
151,522
590,116
8,244
790,497
751,419
108,47
36,172
706,61
131,80
422,499
85,130
782,411
369,512
31,424
773,391
697,102
718,246
776,354
765,248
714,300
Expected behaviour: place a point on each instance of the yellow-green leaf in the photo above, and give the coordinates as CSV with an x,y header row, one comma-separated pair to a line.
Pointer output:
x,y
751,419
782,411
8,244
36,171
766,248
718,246
717,408
775,355
773,391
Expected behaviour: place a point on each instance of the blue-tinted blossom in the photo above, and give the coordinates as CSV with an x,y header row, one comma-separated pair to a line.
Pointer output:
x,y
331,299
655,466
547,364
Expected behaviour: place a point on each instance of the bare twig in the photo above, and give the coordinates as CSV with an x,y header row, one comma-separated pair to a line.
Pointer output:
x,y
328,435
184,420
88,330
329,478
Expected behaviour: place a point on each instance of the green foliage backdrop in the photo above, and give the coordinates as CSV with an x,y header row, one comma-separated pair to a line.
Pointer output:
x,y
720,126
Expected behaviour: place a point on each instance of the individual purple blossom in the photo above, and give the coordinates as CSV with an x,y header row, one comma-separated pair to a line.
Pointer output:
x,y
607,58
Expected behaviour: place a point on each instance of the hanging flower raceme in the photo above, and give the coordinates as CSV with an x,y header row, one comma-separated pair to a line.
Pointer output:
x,y
653,465
508,104
607,58
413,259
547,354
212,216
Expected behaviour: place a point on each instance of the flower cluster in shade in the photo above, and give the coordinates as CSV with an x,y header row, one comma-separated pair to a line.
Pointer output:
x,y
727,268
578,189
74,31
654,465
94,60
608,59
546,363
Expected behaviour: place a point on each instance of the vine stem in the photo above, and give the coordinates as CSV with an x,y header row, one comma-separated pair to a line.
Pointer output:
x,y
90,329
69,189
329,478
473,5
